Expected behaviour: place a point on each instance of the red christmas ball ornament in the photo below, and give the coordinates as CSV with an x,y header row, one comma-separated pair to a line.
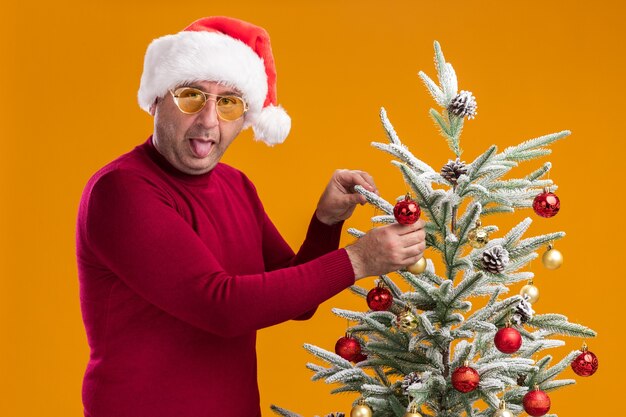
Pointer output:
x,y
536,402
379,298
359,357
546,204
465,378
585,364
407,211
508,340
348,347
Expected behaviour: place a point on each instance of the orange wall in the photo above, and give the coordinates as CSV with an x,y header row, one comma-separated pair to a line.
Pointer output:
x,y
71,72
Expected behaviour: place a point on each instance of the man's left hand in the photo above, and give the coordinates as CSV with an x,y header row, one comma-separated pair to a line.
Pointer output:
x,y
339,199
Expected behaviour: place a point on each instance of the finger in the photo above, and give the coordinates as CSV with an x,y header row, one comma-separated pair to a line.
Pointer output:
x,y
412,243
348,179
412,260
420,224
413,249
356,198
369,180
403,229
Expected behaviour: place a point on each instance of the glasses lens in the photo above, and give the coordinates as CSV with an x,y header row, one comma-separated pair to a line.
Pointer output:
x,y
189,100
230,107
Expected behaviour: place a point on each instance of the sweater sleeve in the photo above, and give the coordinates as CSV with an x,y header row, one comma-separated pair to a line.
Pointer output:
x,y
320,240
134,228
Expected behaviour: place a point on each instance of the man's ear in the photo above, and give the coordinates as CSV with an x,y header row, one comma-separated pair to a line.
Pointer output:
x,y
153,107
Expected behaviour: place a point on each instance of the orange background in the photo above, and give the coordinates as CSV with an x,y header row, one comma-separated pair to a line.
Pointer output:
x,y
71,72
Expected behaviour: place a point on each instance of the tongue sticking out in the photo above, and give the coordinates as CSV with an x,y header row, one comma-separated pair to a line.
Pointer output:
x,y
201,148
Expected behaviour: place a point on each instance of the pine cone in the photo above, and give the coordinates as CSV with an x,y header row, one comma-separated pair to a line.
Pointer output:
x,y
335,415
464,104
522,313
410,379
495,259
453,170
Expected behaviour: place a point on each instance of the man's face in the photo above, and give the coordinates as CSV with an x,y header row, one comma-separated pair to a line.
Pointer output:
x,y
193,143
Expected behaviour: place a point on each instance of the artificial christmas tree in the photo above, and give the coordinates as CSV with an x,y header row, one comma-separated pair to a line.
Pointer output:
x,y
429,350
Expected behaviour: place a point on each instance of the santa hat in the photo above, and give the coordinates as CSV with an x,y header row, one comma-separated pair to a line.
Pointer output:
x,y
226,50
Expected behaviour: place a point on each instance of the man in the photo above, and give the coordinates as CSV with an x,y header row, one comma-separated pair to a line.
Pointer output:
x,y
178,263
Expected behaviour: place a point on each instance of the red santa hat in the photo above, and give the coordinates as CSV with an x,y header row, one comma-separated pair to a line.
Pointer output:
x,y
226,50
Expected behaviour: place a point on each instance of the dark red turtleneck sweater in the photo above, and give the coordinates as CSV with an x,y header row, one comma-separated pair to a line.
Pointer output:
x,y
177,272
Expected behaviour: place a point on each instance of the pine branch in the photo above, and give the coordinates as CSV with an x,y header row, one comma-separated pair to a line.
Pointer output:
x,y
323,372
350,375
466,223
491,290
489,313
548,374
375,200
375,389
540,172
282,412
349,388
528,155
329,357
461,354
559,324
497,210
447,80
530,348
385,219
433,89
474,170
356,233
512,278
396,407
395,290
391,132
529,245
404,155
427,276
510,184
553,385
532,144
381,375
442,124
465,288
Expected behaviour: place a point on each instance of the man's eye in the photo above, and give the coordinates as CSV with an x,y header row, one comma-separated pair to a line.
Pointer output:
x,y
226,101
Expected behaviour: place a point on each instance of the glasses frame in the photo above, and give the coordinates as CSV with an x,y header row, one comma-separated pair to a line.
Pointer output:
x,y
208,96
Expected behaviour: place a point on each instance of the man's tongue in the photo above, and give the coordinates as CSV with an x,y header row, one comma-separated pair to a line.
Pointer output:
x,y
201,148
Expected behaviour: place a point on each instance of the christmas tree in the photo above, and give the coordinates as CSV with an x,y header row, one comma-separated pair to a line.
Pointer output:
x,y
426,351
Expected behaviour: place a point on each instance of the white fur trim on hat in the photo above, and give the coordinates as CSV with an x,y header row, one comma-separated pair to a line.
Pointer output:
x,y
190,56
272,126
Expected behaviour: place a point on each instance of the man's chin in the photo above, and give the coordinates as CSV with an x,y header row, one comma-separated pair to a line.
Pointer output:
x,y
199,167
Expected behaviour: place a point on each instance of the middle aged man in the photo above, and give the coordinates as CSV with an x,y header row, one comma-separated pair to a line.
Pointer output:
x,y
178,262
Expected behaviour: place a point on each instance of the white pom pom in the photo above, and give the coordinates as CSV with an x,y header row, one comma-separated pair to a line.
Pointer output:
x,y
272,126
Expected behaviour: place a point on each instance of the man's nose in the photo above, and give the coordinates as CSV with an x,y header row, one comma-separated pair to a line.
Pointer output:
x,y
208,114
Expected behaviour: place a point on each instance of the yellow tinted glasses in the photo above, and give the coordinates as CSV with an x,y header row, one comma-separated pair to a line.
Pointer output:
x,y
190,100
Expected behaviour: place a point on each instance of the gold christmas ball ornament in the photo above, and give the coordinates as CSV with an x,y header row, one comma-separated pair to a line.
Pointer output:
x,y
530,292
478,237
406,321
552,258
503,412
361,410
418,267
413,412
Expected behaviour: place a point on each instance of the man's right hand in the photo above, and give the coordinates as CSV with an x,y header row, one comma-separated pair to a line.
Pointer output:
x,y
387,248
